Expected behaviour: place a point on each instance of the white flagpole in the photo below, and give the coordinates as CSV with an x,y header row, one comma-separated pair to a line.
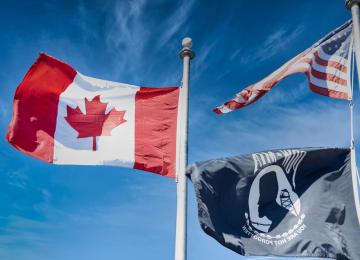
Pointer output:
x,y
353,5
181,200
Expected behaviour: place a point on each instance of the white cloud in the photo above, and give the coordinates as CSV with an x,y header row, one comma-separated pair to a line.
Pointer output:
x,y
317,123
126,36
23,230
235,53
18,178
202,61
4,111
176,21
275,42
137,44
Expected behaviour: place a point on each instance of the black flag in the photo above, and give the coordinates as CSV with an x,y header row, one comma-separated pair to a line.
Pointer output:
x,y
291,202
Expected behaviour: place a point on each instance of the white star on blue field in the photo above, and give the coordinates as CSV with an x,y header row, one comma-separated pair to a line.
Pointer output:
x,y
79,212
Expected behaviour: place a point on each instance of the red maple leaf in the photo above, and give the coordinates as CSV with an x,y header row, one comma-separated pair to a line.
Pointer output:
x,y
94,122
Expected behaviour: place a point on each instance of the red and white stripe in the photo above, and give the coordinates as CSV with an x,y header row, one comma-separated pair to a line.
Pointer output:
x,y
328,75
146,141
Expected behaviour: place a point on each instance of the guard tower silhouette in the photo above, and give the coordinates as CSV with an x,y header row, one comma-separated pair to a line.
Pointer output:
x,y
285,200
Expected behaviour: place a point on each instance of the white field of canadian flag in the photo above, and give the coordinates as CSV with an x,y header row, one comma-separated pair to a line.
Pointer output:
x,y
63,117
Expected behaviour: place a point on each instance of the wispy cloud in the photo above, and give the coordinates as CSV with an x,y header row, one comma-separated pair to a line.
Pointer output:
x,y
23,230
126,34
176,21
272,127
271,45
41,234
136,42
235,53
202,63
4,111
18,178
286,92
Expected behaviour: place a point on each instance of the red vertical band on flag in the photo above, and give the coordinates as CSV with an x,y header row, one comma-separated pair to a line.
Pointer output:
x,y
35,107
156,112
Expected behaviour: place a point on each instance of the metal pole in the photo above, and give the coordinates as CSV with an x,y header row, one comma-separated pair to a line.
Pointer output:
x,y
352,141
181,200
353,5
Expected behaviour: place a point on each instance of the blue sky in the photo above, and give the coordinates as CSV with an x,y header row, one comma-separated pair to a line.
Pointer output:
x,y
72,212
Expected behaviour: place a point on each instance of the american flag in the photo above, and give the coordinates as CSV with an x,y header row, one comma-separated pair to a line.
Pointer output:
x,y
326,65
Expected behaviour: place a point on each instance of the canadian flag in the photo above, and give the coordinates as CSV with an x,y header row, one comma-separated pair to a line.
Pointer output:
x,y
63,117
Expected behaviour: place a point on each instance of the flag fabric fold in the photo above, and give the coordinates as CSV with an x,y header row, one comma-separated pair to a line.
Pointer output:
x,y
291,202
64,117
326,65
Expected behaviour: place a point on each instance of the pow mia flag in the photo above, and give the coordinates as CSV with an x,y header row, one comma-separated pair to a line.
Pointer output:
x,y
293,202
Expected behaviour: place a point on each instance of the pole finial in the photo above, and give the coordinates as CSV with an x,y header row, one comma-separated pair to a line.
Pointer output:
x,y
186,50
186,42
350,3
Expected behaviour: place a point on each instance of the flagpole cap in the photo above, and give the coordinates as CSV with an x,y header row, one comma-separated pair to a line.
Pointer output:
x,y
350,3
186,50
